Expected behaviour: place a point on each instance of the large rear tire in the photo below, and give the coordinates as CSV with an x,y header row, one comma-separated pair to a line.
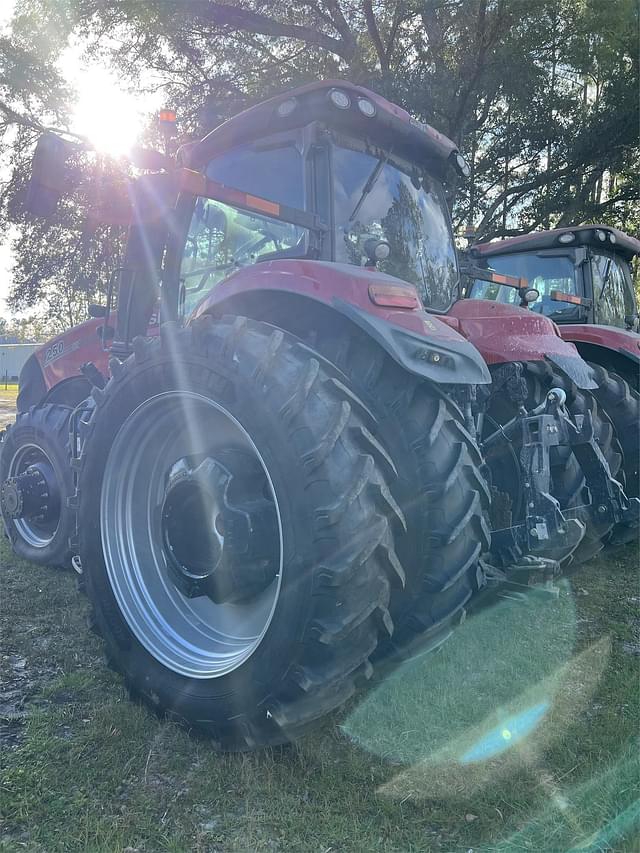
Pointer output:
x,y
259,666
38,441
440,488
621,403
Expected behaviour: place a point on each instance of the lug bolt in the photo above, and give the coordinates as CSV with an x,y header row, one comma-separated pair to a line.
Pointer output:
x,y
602,509
534,532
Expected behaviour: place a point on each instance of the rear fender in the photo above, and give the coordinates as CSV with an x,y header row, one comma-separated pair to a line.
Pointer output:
x,y
612,348
505,333
52,370
305,295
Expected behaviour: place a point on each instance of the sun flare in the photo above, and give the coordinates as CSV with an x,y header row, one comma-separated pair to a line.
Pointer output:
x,y
108,116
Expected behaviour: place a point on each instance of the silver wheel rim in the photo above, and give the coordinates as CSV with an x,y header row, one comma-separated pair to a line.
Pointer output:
x,y
36,535
192,636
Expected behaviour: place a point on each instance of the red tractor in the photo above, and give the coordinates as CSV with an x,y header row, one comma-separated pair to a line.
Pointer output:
x,y
283,482
584,283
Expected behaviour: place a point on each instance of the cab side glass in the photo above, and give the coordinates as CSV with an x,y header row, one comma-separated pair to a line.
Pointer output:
x,y
613,301
274,172
222,239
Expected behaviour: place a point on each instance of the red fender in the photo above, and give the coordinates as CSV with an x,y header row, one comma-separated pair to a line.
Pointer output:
x,y
608,337
506,333
325,282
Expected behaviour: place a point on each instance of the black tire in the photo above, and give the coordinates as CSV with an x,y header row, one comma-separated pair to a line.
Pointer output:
x,y
567,478
339,559
440,489
45,428
621,403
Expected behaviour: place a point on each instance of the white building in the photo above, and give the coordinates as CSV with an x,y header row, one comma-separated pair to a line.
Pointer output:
x,y
12,358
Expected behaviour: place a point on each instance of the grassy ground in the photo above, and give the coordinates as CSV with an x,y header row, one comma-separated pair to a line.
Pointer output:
x,y
517,736
8,392
8,396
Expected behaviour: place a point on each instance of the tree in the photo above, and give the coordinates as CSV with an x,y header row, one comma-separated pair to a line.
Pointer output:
x,y
32,329
540,95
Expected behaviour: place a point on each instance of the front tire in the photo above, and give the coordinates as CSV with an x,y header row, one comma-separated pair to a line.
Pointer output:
x,y
39,440
211,395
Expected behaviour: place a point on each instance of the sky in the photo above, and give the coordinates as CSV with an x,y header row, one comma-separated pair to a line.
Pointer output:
x,y
100,97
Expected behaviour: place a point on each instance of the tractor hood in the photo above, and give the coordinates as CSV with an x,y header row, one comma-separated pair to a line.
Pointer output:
x,y
505,333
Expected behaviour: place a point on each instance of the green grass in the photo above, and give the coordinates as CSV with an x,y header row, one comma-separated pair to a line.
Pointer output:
x,y
517,736
8,393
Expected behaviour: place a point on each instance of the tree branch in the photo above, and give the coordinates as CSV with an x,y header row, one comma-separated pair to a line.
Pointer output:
x,y
374,35
521,190
246,20
398,18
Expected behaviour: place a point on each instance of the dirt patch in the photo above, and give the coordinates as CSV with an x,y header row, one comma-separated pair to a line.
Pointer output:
x,y
7,413
13,695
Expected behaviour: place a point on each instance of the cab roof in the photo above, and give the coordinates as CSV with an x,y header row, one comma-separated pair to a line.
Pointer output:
x,y
388,125
585,235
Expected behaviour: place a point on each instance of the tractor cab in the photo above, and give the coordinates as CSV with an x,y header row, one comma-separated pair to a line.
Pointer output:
x,y
582,274
351,211
359,182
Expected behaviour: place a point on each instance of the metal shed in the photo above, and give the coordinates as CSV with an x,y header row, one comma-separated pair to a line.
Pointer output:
x,y
12,358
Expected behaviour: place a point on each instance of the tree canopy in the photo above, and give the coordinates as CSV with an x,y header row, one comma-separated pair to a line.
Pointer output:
x,y
540,95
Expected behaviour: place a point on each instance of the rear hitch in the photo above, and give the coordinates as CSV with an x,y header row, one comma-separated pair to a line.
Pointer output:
x,y
545,532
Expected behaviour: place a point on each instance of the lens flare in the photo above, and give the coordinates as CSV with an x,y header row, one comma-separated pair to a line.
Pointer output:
x,y
503,737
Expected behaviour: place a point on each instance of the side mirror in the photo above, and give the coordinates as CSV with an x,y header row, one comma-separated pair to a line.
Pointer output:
x,y
49,175
632,322
528,296
376,250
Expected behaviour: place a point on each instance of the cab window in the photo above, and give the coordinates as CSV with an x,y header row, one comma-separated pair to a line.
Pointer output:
x,y
273,172
611,294
545,273
222,238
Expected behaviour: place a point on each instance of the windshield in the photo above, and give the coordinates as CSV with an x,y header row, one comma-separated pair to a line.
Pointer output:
x,y
543,272
222,238
375,199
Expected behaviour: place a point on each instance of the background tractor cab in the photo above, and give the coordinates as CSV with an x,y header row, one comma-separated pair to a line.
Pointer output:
x,y
584,278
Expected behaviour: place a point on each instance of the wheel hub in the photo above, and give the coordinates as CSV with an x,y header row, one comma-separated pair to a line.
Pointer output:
x,y
216,547
32,494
